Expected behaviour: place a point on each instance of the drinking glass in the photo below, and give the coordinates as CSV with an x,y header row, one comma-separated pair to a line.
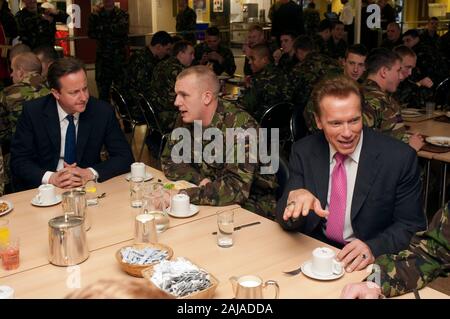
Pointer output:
x,y
225,228
136,191
91,190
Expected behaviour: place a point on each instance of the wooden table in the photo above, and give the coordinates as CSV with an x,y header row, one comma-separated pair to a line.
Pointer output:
x,y
265,249
429,127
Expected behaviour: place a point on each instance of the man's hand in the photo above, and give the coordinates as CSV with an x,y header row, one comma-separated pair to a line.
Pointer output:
x,y
416,141
204,182
61,179
301,201
80,176
356,255
204,59
277,55
426,82
362,290
216,57
47,17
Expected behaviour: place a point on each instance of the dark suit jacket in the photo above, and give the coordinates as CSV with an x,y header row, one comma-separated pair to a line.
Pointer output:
x,y
386,207
36,144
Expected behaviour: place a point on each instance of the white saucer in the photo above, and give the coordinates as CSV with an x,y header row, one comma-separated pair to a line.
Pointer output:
x,y
193,209
35,202
438,140
148,176
10,207
306,269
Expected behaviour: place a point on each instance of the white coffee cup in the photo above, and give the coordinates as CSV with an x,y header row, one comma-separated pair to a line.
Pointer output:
x,y
138,170
179,205
6,292
324,262
46,194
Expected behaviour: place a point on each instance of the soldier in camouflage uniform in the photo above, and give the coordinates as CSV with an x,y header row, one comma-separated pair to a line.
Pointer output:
x,y
313,66
268,84
28,85
427,258
380,110
220,182
162,94
322,36
214,53
109,26
410,93
336,45
285,57
140,69
353,67
36,25
186,21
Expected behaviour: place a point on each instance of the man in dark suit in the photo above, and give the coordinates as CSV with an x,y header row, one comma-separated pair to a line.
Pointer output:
x,y
59,137
368,183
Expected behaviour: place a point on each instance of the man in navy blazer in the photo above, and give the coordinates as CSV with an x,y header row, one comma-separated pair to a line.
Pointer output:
x,y
382,197
39,148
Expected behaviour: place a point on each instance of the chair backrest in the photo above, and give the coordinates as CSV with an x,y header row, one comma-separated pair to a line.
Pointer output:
x,y
298,125
442,93
149,114
119,104
282,176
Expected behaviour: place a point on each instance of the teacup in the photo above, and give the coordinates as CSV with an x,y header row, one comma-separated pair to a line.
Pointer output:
x,y
138,170
324,262
46,194
179,204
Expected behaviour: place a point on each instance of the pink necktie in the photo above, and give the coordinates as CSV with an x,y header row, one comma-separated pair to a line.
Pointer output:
x,y
338,201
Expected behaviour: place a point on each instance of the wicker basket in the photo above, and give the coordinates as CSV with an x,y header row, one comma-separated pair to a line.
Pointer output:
x,y
207,293
136,270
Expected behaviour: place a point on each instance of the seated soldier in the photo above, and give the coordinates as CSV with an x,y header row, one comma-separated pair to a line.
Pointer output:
x,y
427,257
285,57
47,55
255,36
322,36
214,53
312,67
336,45
381,111
162,86
393,36
429,35
220,182
268,84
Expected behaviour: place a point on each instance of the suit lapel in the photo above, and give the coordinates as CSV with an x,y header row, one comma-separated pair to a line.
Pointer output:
x,y
84,130
53,125
367,171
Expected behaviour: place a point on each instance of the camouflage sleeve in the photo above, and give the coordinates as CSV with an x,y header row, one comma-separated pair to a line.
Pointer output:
x,y
228,64
233,184
177,171
308,115
121,25
250,98
5,126
427,258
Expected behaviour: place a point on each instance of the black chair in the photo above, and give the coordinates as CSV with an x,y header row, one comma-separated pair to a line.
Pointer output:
x,y
279,116
153,126
282,176
442,93
298,125
123,111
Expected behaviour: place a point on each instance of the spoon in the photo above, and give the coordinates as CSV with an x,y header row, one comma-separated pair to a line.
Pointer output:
x,y
102,195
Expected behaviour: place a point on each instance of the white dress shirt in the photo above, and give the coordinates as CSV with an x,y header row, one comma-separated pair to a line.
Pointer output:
x,y
64,123
351,169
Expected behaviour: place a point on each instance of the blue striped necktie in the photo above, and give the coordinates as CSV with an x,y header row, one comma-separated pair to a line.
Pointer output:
x,y
70,150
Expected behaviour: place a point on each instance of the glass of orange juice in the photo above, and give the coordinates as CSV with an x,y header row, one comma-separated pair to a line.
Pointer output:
x,y
91,190
4,231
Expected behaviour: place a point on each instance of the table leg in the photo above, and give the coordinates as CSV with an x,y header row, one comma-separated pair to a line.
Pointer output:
x,y
427,185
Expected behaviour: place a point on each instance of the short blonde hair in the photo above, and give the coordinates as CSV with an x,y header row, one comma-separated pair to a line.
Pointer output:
x,y
119,289
205,77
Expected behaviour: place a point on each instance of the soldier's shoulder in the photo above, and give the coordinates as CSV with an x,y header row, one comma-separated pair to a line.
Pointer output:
x,y
238,116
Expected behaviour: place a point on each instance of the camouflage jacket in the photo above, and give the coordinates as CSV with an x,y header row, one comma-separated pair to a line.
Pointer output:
x,y
321,45
228,64
139,75
336,50
162,91
287,62
381,111
267,87
231,183
429,63
110,29
31,87
408,94
186,20
307,73
34,30
427,258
